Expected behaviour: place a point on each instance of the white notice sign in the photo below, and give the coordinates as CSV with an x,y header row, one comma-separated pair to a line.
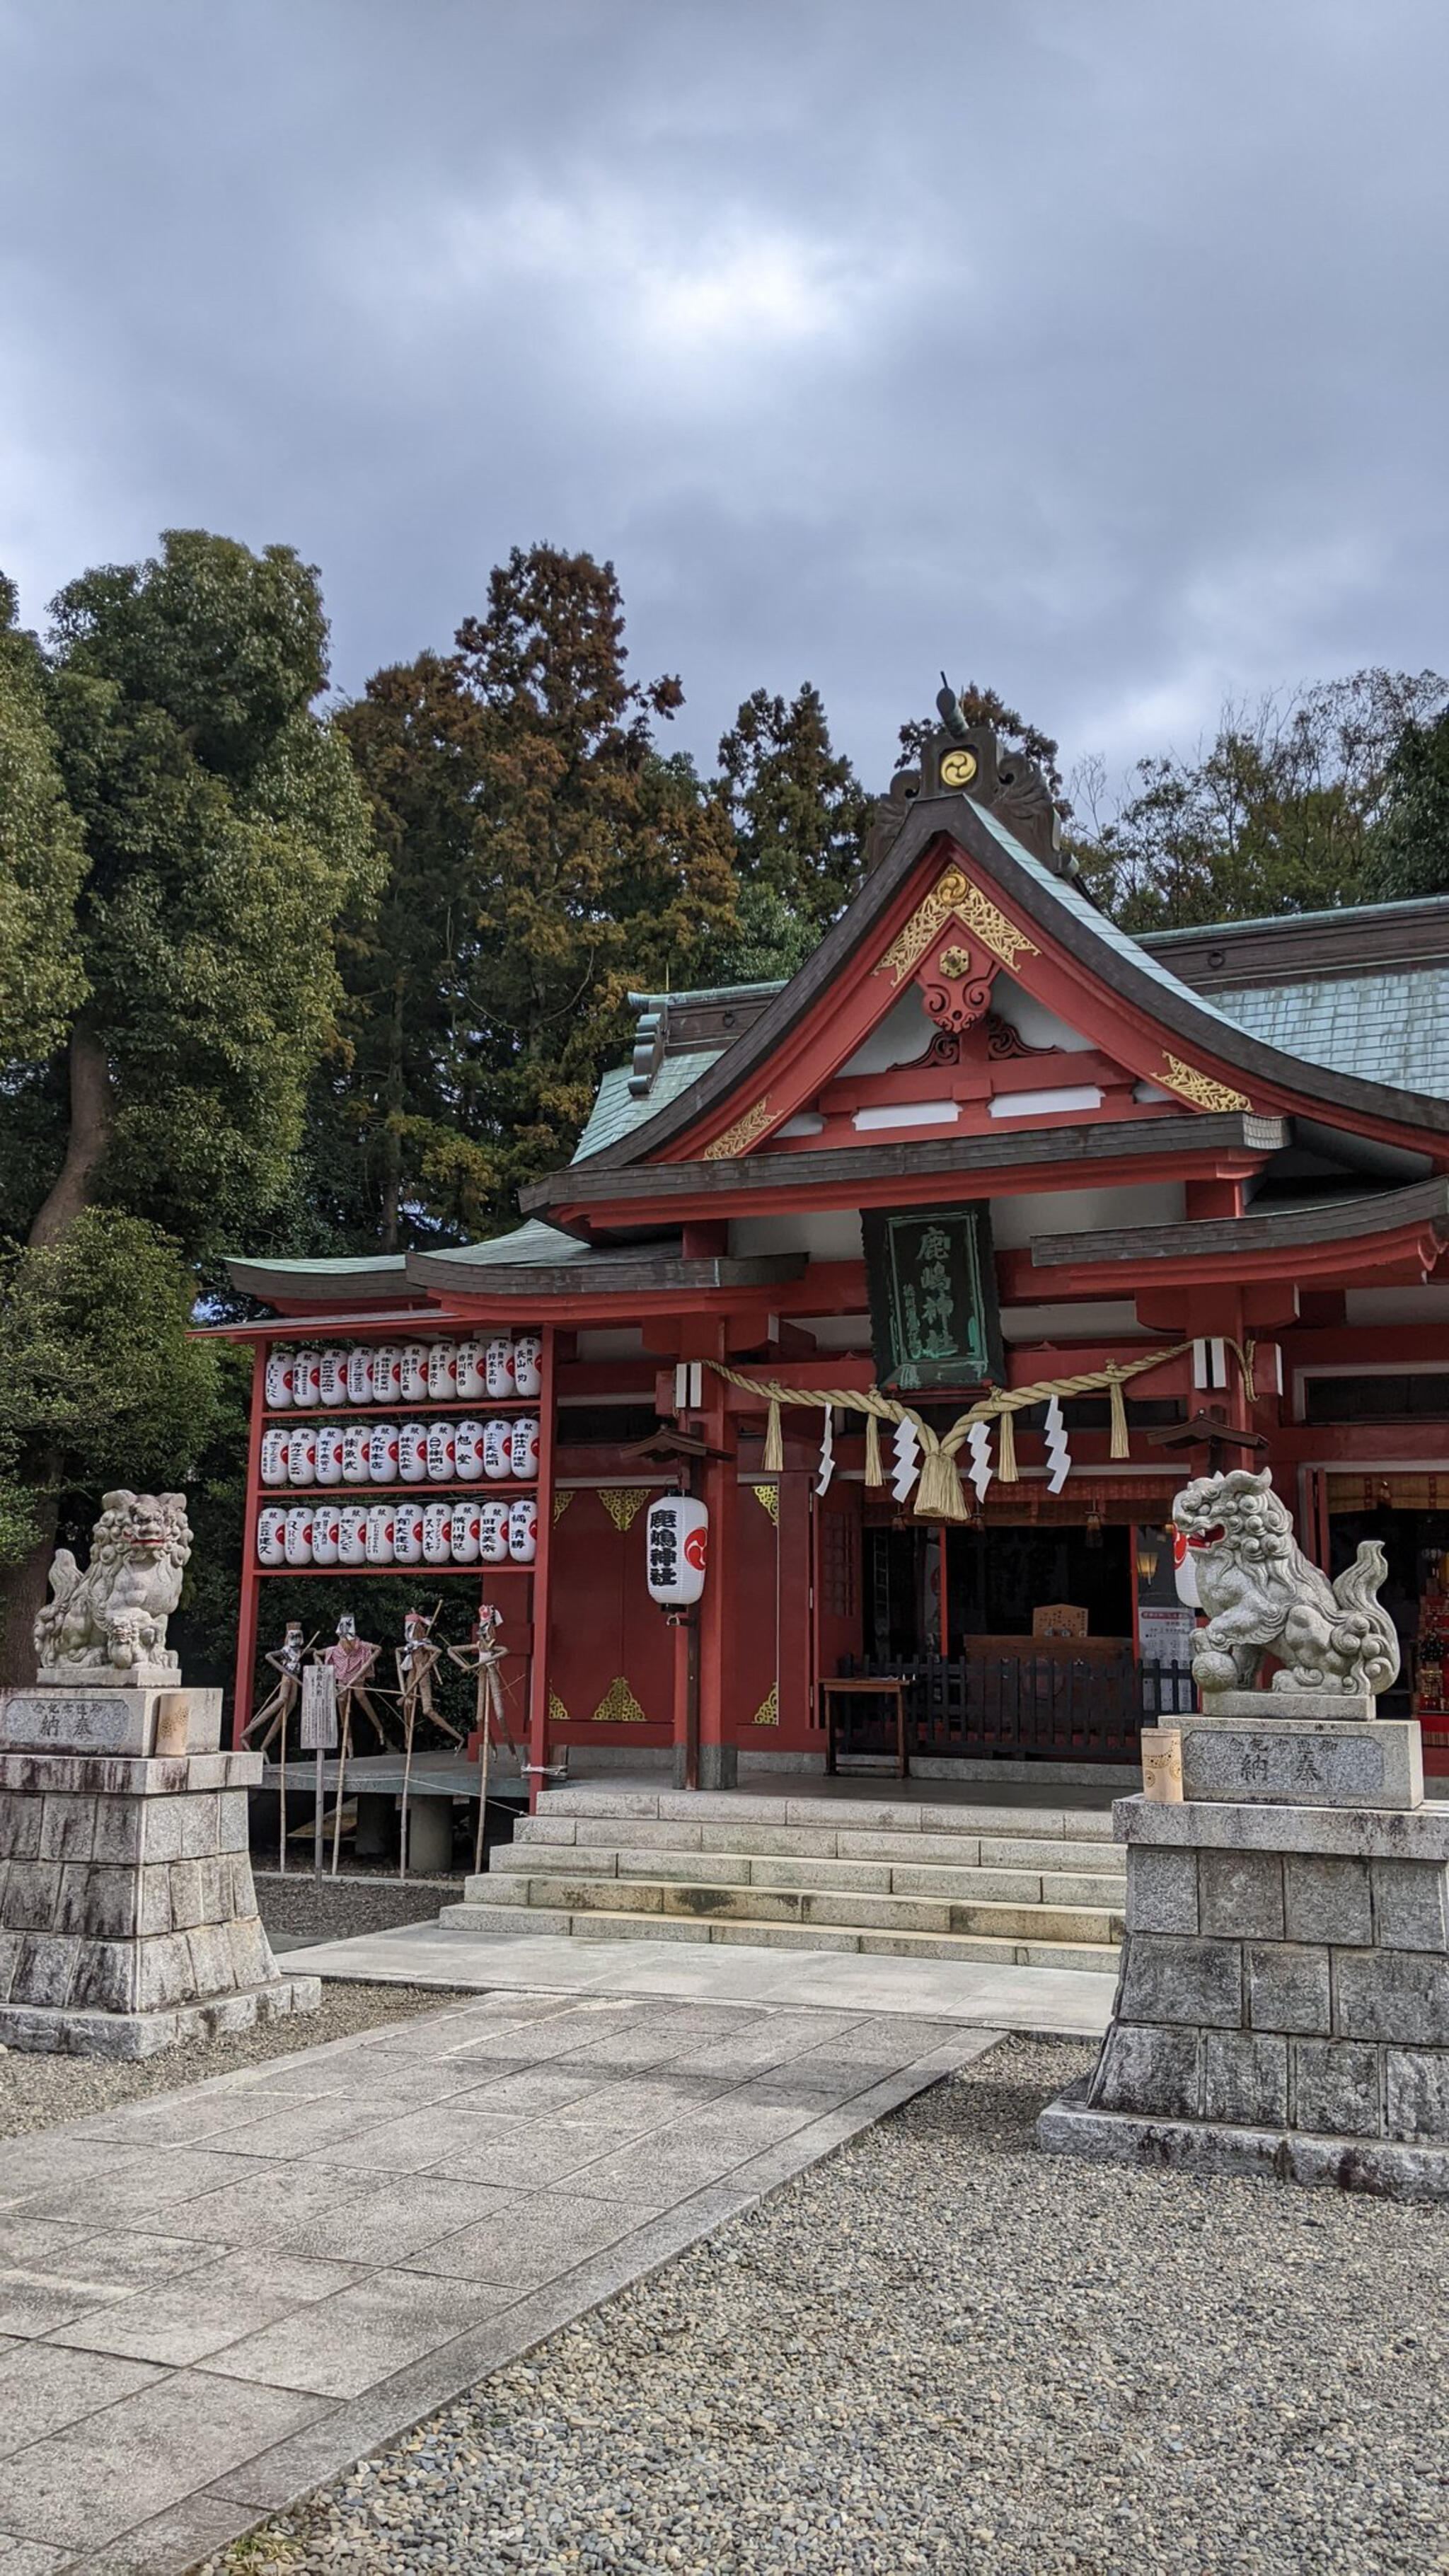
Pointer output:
x,y
319,1708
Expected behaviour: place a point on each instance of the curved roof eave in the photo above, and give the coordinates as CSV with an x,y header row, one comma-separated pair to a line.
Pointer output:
x,y
1056,907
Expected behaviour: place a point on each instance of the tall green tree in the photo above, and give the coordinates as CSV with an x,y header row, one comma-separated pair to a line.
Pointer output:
x,y
1409,854
1281,813
42,857
544,854
212,831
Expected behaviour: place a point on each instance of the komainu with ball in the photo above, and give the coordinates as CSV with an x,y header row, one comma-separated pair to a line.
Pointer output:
x,y
111,1619
1262,1597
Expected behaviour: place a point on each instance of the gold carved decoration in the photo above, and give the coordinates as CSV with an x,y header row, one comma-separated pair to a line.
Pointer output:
x,y
623,1503
953,894
1199,1088
954,963
739,1138
619,1707
768,1712
557,1713
562,1497
768,1498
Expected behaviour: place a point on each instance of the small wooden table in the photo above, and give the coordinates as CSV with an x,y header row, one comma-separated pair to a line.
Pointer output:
x,y
874,1685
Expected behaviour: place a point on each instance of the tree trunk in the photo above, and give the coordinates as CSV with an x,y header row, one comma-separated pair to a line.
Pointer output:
x,y
22,1594
91,1111
23,1586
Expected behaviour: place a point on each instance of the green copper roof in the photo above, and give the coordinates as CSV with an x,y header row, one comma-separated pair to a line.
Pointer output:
x,y
530,1243
1384,1027
617,1113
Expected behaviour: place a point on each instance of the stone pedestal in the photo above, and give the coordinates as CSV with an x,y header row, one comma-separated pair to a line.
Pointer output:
x,y
128,1920
99,1718
1323,1757
1283,2003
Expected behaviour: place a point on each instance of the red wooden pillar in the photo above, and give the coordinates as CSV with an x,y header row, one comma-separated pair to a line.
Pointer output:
x,y
538,1693
246,1633
798,1715
721,1608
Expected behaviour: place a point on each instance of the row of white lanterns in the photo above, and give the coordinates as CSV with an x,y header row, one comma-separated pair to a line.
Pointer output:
x,y
401,1453
472,1531
298,1377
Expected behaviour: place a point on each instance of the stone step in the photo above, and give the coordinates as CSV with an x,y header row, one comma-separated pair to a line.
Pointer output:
x,y
709,1809
1004,1846
897,1877
489,1922
832,1909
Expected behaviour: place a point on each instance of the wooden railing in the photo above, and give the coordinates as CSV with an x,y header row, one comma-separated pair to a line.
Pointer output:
x,y
1052,1706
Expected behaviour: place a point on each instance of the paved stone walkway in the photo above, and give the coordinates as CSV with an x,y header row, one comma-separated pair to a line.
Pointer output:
x,y
215,2299
1065,2001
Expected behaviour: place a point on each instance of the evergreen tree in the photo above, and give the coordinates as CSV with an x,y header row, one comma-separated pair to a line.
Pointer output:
x,y
544,855
1410,846
798,809
42,858
215,831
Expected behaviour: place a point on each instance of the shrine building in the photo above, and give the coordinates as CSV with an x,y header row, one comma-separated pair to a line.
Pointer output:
x,y
932,1273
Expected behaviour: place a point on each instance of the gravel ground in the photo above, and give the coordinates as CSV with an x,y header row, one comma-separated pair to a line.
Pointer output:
x,y
943,2350
39,2092
334,1909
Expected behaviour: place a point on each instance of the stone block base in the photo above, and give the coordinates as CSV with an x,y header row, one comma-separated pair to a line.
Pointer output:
x,y
121,2035
1387,2169
139,1725
126,1902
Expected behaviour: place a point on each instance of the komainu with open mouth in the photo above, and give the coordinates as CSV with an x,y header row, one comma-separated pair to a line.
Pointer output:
x,y
1262,1597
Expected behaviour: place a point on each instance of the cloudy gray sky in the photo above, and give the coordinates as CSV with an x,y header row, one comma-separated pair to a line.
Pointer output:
x,y
1096,348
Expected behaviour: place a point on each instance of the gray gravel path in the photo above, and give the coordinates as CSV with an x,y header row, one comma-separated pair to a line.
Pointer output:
x,y
337,1909
39,2092
944,2351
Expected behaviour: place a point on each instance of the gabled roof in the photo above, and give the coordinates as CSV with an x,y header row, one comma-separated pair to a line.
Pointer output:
x,y
1046,901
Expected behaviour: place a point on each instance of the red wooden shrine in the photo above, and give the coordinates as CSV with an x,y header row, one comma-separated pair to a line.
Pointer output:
x,y
1230,1144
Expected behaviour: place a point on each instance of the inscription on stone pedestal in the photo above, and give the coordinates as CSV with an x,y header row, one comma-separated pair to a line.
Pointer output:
x,y
111,1722
1322,1764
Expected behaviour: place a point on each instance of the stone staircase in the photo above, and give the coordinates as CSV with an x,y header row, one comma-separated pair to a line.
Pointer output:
x,y
1009,1886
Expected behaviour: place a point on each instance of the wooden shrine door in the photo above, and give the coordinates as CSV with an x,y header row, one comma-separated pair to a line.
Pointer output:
x,y
610,1654
836,1519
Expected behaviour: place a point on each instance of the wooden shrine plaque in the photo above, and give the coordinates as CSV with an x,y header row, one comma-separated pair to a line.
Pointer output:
x,y
933,1311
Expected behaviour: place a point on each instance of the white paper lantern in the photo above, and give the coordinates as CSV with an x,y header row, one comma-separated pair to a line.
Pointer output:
x,y
440,1452
523,1447
379,1534
302,1455
298,1543
677,1540
331,1445
497,1448
438,1533
359,1374
382,1453
523,1530
472,1372
352,1535
498,1367
412,1453
493,1530
443,1372
407,1534
275,1445
468,1451
527,1373
326,1533
278,1383
413,1373
306,1376
465,1532
332,1376
356,1451
272,1535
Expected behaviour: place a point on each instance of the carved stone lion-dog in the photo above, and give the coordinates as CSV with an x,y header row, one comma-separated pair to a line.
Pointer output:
x,y
1262,1597
112,1617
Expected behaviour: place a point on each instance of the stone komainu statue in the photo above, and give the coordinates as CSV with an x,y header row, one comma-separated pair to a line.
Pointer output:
x,y
1262,1597
112,1618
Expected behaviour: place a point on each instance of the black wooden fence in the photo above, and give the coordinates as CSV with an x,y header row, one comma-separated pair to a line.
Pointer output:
x,y
1058,1707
